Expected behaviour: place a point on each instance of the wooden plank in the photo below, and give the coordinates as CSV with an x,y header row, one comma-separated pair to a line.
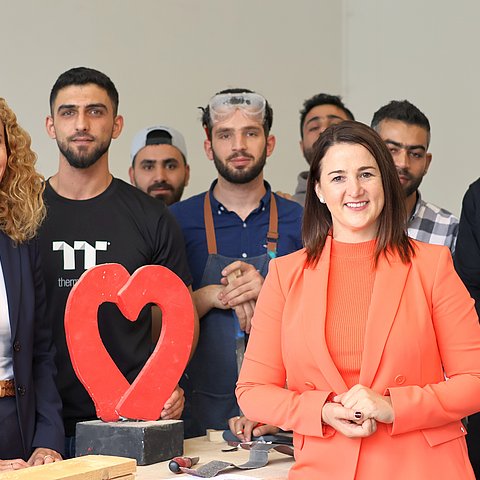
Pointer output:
x,y
130,476
90,467
215,435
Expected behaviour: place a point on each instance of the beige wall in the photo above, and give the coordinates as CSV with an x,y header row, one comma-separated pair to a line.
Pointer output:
x,y
427,52
167,57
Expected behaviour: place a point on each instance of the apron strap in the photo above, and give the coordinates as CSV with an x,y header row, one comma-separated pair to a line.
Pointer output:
x,y
209,228
272,234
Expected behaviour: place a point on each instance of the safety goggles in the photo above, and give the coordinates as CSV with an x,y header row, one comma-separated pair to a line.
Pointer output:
x,y
224,105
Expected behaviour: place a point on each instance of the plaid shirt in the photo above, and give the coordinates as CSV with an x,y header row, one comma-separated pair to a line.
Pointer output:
x,y
431,224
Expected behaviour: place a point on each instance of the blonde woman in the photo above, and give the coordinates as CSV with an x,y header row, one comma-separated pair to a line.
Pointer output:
x,y
30,418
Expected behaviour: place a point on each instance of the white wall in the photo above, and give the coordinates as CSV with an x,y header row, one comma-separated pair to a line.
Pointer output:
x,y
167,57
427,52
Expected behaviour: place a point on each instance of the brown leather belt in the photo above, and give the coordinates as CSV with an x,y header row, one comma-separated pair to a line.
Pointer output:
x,y
7,388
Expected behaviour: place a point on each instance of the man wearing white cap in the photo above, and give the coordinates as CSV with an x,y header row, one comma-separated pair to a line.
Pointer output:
x,y
159,163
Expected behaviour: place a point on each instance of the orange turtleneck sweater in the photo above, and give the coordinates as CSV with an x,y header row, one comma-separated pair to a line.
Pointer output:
x,y
349,291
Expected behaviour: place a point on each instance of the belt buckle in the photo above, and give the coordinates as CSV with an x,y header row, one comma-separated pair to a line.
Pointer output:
x,y
3,391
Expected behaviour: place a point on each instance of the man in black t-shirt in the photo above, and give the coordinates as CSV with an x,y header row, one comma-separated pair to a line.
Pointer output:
x,y
93,218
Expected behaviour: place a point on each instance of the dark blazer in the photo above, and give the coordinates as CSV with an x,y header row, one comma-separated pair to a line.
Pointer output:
x,y
467,251
38,402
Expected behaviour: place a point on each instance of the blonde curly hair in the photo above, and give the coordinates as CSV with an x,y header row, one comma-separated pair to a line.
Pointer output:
x,y
21,202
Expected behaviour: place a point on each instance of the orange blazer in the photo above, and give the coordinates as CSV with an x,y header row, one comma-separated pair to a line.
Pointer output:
x,y
422,346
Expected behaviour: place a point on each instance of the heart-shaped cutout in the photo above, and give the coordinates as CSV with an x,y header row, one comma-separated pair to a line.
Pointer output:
x,y
112,394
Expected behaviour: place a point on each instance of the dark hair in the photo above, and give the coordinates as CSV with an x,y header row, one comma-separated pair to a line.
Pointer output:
x,y
403,111
317,220
84,76
207,120
322,99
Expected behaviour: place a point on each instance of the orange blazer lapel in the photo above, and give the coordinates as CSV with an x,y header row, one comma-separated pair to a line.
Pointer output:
x,y
314,303
387,292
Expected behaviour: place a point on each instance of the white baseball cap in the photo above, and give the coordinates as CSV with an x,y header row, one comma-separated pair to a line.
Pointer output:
x,y
158,135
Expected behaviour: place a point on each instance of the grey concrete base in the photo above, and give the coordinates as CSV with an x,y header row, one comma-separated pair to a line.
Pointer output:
x,y
147,442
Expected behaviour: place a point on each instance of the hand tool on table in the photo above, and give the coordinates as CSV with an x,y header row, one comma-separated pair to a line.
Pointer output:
x,y
186,462
258,458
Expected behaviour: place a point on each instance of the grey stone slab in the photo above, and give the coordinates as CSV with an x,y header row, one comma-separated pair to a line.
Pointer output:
x,y
147,442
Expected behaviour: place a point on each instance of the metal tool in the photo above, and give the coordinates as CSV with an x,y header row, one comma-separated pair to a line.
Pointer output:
x,y
258,458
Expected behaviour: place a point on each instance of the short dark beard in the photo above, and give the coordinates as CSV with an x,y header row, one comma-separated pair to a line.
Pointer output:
x,y
170,198
156,185
240,177
177,194
79,160
308,155
415,182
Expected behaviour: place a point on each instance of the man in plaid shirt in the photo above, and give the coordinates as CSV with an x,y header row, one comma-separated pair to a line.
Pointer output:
x,y
406,132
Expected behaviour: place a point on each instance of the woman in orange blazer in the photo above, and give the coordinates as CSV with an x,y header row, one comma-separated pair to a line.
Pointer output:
x,y
366,343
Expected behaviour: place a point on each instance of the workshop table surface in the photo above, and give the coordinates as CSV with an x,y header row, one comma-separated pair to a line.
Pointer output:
x,y
277,468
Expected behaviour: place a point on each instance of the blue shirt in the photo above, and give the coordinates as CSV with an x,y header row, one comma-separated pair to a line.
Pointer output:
x,y
236,238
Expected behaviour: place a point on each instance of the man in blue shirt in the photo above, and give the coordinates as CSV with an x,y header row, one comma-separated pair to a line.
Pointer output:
x,y
231,232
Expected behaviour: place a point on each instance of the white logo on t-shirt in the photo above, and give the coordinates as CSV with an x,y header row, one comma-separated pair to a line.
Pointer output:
x,y
90,252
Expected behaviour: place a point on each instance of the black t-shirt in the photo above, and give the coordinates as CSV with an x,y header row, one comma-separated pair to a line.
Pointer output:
x,y
121,225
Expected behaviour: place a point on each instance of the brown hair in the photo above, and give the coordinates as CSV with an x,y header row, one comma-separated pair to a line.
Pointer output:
x,y
21,203
317,220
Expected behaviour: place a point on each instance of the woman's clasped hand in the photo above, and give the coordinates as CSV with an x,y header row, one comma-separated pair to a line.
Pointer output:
x,y
356,412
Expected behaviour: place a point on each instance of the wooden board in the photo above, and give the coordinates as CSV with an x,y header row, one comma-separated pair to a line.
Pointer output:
x,y
215,435
130,476
90,467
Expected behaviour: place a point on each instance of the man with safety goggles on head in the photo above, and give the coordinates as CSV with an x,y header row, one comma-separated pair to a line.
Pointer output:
x,y
231,232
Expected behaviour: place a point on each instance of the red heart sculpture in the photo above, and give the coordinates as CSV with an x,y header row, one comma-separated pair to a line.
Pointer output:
x,y
113,396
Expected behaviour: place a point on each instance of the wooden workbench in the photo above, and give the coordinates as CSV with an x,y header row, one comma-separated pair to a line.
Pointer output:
x,y
277,468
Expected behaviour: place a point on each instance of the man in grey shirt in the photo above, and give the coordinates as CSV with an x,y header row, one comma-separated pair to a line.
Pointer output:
x,y
318,113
